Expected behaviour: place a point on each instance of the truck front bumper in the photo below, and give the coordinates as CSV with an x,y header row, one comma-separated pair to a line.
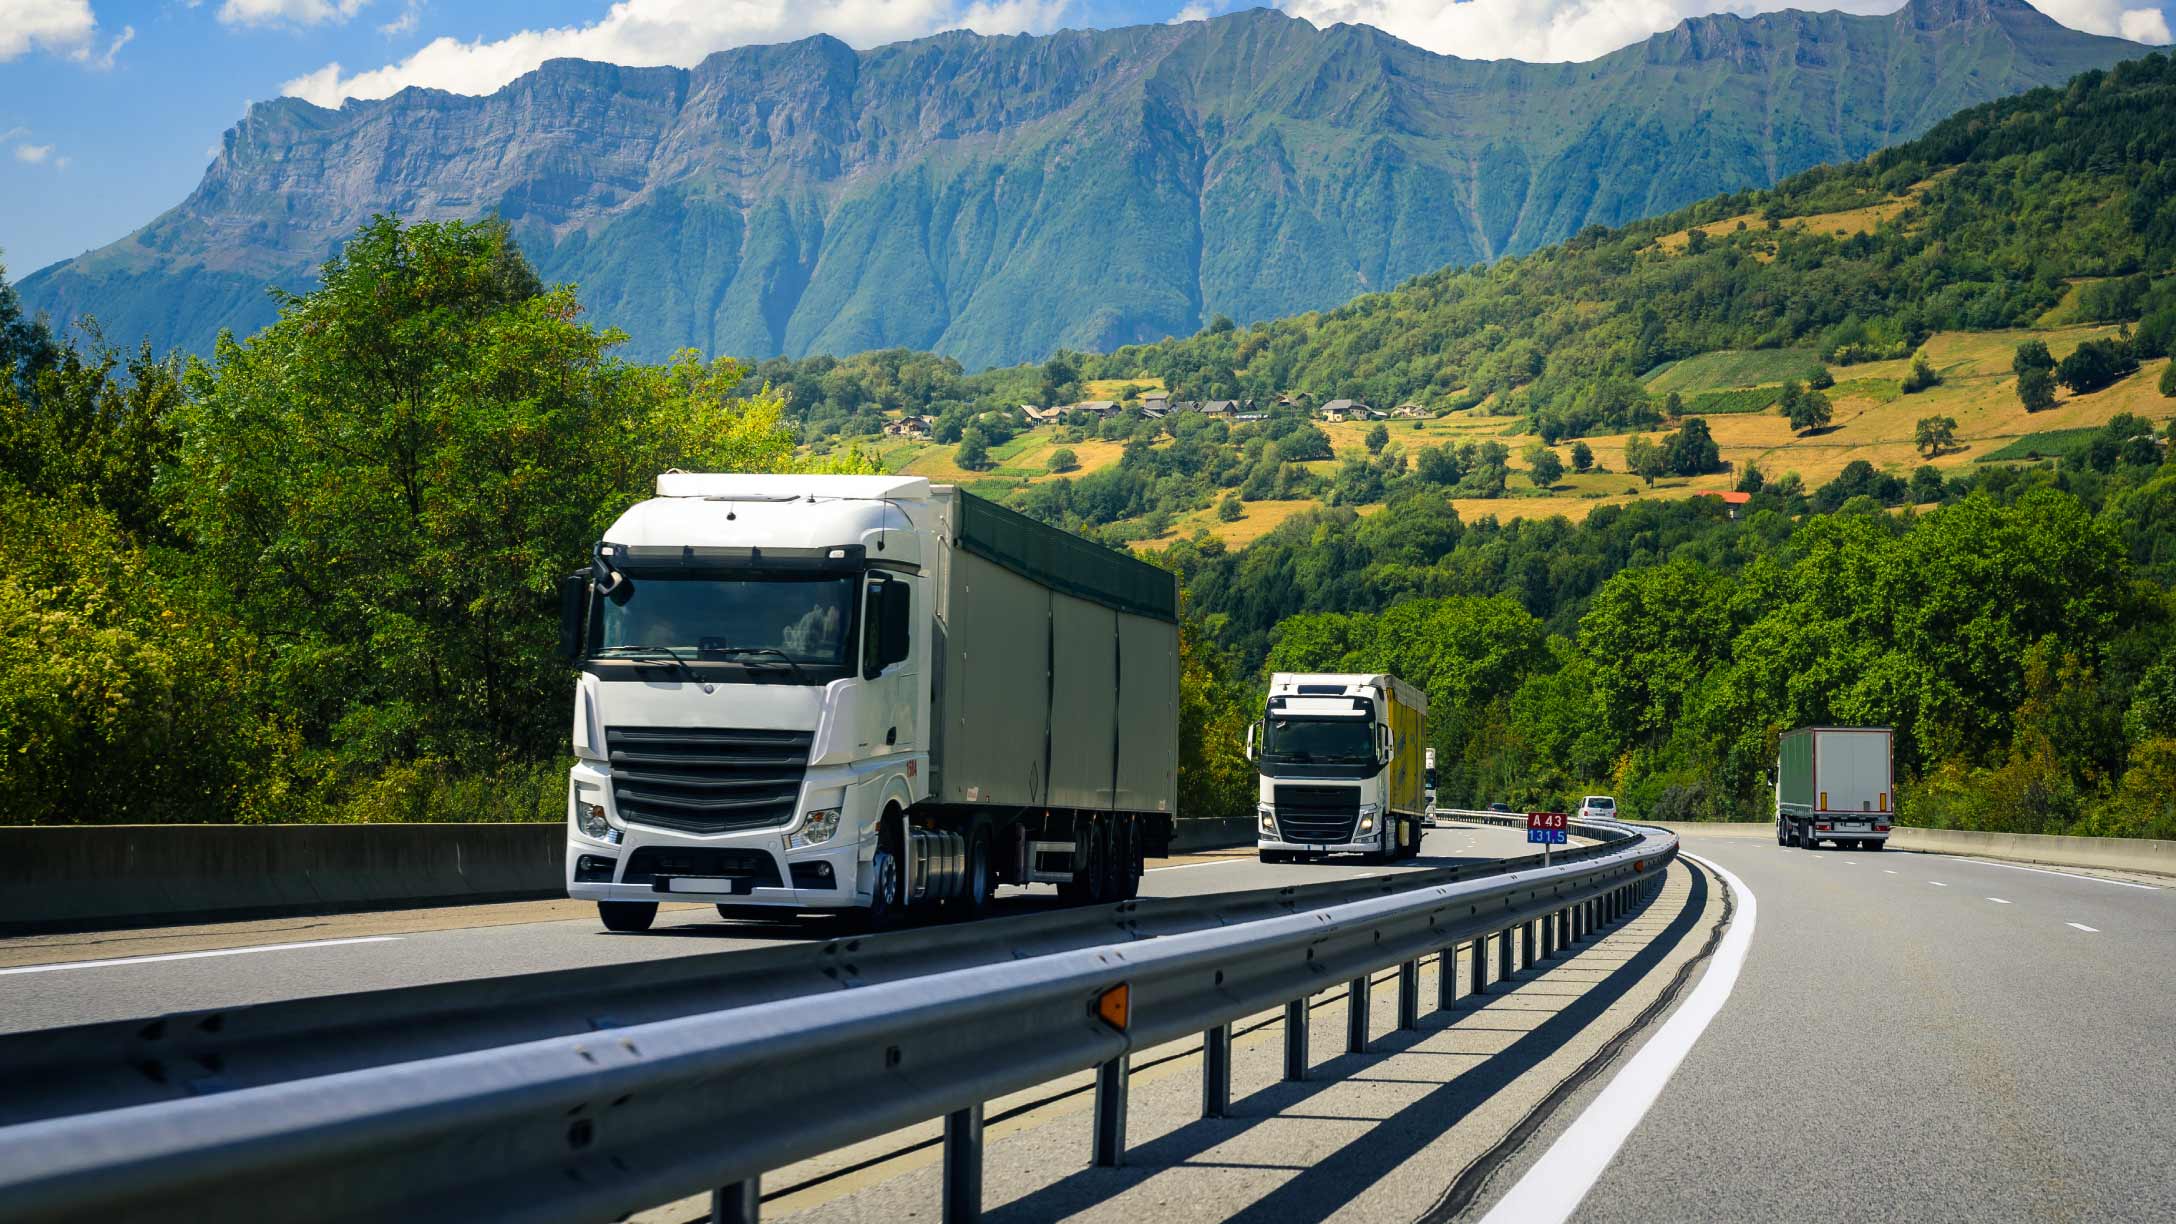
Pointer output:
x,y
1371,846
754,867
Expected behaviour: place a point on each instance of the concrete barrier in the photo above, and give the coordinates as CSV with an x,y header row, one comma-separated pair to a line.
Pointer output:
x,y
89,876
2104,853
1217,834
79,877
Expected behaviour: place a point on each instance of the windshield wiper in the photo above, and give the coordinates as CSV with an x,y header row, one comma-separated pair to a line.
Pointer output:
x,y
651,654
788,659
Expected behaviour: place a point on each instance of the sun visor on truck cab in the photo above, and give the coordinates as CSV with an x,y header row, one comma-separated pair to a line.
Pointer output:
x,y
1066,562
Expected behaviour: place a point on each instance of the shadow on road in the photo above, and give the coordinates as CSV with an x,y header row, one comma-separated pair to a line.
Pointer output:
x,y
1331,1184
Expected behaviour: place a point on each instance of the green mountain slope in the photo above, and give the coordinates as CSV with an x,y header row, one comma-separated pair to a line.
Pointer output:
x,y
995,199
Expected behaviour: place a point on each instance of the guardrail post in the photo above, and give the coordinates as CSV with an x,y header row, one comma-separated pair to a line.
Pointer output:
x,y
963,1165
1563,930
1409,995
738,1203
1480,964
1295,1039
1579,923
1356,1015
1526,945
1447,978
1216,1071
1110,1137
1503,955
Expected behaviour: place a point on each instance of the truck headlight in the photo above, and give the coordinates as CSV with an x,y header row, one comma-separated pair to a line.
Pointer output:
x,y
815,830
1368,812
593,821
1268,818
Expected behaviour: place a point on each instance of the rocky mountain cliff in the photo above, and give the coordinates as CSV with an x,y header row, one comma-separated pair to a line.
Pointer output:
x,y
999,198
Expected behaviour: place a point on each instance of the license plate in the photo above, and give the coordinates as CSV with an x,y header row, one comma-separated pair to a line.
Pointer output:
x,y
702,884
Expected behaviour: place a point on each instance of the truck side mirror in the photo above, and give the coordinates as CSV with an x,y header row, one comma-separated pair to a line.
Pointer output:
x,y
573,609
1250,741
893,639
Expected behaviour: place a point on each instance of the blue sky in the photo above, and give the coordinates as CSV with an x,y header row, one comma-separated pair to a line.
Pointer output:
x,y
109,109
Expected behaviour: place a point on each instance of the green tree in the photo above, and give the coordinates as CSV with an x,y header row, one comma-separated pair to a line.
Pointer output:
x,y
2031,355
1229,510
1645,459
1691,449
387,483
2168,380
1378,437
1751,480
1582,456
1064,460
2036,389
1922,375
1805,410
2095,364
1543,467
974,452
1935,434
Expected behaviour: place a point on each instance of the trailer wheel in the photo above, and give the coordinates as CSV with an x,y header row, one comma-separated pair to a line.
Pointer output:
x,y
975,890
1781,840
1126,860
1087,885
627,915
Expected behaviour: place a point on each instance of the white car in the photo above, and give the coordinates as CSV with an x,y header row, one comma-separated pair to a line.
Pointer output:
x,y
1597,807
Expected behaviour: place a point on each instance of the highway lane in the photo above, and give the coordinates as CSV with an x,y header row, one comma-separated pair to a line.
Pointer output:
x,y
93,977
1918,1036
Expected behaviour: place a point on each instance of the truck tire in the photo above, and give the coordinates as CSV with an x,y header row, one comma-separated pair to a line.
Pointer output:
x,y
885,905
1125,860
1275,856
974,899
627,915
1782,839
1090,882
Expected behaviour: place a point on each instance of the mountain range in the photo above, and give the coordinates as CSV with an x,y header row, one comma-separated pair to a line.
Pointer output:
x,y
998,198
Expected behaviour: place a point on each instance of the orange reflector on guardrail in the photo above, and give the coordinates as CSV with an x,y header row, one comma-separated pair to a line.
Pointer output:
x,y
1115,1007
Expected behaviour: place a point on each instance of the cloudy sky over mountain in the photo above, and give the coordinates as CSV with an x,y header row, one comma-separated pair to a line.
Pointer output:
x,y
110,108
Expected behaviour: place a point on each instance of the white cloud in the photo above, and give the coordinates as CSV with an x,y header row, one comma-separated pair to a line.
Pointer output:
x,y
287,12
2145,25
410,14
66,27
677,32
1584,29
34,154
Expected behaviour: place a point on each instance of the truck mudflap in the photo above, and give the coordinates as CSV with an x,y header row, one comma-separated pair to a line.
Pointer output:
x,y
1155,835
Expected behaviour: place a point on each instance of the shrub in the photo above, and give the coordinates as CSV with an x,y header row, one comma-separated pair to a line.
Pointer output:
x,y
2036,389
2095,364
1064,460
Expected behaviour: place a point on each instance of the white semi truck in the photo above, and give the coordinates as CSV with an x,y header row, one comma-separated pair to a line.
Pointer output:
x,y
861,694
1834,784
1342,767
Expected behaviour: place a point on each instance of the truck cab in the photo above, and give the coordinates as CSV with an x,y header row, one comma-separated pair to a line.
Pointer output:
x,y
1340,765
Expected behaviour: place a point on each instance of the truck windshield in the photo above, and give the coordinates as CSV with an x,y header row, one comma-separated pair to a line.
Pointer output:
x,y
1319,740
769,621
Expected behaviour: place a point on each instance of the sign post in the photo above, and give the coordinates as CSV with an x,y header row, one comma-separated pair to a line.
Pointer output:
x,y
1548,829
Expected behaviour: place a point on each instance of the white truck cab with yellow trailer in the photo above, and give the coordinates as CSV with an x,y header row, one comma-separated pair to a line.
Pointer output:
x,y
861,694
1834,784
1342,765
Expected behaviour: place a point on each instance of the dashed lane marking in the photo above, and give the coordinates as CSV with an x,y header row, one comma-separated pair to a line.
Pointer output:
x,y
175,956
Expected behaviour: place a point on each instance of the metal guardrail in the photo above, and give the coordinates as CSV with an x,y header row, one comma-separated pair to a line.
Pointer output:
x,y
595,1125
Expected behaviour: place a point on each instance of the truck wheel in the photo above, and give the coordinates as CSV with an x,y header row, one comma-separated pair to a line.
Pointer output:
x,y
1781,839
1088,884
975,890
884,905
1275,856
1126,863
627,915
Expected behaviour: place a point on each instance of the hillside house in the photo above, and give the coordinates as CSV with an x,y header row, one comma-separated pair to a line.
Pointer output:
x,y
910,427
1042,416
1220,409
1350,410
1410,412
1732,499
1097,408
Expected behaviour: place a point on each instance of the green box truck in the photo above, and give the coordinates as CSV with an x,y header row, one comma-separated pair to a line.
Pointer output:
x,y
1834,784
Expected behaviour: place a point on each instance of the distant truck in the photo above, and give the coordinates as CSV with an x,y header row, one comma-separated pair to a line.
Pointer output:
x,y
1342,767
861,695
1834,784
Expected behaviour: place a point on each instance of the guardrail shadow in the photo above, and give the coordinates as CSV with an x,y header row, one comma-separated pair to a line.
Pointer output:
x,y
1332,1183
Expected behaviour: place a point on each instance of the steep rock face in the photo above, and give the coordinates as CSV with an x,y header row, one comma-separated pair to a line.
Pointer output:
x,y
998,198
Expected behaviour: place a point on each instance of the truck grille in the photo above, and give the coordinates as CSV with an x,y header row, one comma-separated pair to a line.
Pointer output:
x,y
700,780
1321,815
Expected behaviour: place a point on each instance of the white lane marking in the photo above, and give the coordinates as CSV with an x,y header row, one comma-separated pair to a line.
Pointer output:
x,y
1553,1187
1886,871
1184,866
1937,883
1852,862
2081,926
1998,901
2068,875
174,956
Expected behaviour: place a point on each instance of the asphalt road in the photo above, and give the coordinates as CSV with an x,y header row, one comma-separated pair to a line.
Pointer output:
x,y
95,978
1921,1037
